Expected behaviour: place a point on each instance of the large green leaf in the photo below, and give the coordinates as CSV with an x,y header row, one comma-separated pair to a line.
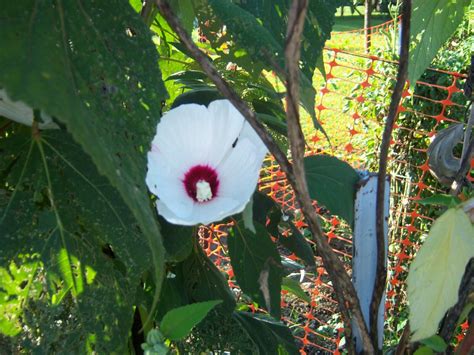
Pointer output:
x,y
74,238
177,240
202,281
332,183
436,343
93,66
432,23
436,273
270,337
317,27
178,322
258,28
257,265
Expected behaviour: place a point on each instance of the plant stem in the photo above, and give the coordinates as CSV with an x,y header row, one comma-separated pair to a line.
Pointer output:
x,y
148,12
381,272
467,151
367,29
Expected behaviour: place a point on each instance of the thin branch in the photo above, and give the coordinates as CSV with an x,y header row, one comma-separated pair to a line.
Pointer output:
x,y
466,293
381,273
403,343
343,286
460,179
148,12
467,133
467,152
340,279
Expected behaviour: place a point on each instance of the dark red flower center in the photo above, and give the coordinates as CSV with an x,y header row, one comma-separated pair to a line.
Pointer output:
x,y
198,176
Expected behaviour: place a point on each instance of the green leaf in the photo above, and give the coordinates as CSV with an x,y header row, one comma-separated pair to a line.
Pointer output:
x,y
320,66
247,216
172,295
177,323
14,294
257,265
294,287
72,236
273,15
432,23
185,11
202,281
423,350
442,200
187,75
317,27
436,273
297,243
274,123
177,240
435,343
258,28
332,183
266,209
291,265
202,96
268,335
78,62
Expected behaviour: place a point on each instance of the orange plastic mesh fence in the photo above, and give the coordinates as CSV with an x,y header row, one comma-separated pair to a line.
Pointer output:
x,y
351,105
371,29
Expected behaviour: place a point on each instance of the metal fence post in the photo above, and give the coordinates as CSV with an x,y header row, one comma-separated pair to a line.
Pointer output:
x,y
364,261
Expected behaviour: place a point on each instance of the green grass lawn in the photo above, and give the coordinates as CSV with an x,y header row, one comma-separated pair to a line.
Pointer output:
x,y
337,120
354,21
354,41
348,23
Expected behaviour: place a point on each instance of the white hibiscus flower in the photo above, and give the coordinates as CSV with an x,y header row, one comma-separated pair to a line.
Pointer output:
x,y
204,163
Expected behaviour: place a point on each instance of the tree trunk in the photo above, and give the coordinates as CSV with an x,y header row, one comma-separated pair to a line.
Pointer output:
x,y
367,30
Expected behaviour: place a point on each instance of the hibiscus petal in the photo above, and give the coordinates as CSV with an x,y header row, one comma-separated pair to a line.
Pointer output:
x,y
166,184
227,125
213,211
193,134
204,213
239,172
172,217
184,136
249,133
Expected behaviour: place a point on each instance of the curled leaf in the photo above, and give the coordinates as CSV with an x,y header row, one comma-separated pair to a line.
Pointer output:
x,y
443,164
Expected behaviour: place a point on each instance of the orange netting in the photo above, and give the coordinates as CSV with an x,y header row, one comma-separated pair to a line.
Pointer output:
x,y
352,111
372,29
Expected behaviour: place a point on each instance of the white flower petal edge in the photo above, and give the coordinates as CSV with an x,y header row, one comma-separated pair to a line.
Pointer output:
x,y
20,112
210,148
205,214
